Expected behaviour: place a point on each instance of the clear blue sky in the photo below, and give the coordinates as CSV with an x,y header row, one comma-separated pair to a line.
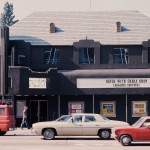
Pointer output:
x,y
23,8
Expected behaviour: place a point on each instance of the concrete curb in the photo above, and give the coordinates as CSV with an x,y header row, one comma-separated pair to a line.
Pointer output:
x,y
21,132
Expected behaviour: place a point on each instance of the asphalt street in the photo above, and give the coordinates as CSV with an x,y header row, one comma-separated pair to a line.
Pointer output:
x,y
27,140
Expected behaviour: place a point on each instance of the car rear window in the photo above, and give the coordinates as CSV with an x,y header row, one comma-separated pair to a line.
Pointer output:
x,y
2,111
89,119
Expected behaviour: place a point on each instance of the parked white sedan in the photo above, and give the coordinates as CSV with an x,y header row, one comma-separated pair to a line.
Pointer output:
x,y
78,125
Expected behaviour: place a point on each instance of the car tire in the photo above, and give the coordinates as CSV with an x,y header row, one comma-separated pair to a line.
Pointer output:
x,y
125,140
49,134
2,133
104,134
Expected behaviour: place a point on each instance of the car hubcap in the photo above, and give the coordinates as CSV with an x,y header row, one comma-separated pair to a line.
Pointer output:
x,y
126,140
49,134
105,134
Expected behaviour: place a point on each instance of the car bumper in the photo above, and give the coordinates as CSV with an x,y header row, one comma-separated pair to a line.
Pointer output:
x,y
37,131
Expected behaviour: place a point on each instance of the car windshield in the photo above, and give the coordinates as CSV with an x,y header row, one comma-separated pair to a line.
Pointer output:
x,y
104,118
64,118
138,122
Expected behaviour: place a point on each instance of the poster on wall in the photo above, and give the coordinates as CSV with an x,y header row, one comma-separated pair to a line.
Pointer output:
x,y
108,109
139,108
20,106
76,107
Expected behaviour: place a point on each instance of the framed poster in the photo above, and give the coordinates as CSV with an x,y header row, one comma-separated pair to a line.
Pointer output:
x,y
139,108
108,109
20,107
75,107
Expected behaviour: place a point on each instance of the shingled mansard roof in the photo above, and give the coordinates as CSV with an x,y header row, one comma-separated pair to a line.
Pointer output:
x,y
74,26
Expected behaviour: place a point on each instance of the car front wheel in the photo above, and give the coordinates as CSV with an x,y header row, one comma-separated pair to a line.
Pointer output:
x,y
48,134
125,140
104,134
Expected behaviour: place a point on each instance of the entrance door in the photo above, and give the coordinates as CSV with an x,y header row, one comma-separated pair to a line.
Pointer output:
x,y
38,111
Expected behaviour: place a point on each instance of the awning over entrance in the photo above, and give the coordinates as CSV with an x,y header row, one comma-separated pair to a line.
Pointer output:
x,y
107,81
108,73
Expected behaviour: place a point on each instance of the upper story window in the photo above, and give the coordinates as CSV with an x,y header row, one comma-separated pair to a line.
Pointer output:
x,y
21,56
52,56
10,82
120,56
86,55
21,59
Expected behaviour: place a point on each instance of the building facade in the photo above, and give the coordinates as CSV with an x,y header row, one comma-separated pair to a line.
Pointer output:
x,y
93,62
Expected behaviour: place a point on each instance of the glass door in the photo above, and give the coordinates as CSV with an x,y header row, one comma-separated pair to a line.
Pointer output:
x,y
38,111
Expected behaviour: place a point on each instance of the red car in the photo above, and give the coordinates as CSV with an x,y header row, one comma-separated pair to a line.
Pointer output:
x,y
7,119
139,132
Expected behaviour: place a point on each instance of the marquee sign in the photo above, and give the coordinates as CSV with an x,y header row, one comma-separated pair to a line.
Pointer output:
x,y
37,83
113,83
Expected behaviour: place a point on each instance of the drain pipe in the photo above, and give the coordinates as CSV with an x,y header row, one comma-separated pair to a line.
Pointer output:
x,y
58,105
126,108
93,104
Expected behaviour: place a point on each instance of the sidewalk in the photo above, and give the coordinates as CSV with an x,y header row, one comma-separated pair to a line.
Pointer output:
x,y
23,132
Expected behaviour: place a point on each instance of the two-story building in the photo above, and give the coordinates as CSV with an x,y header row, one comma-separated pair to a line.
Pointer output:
x,y
70,62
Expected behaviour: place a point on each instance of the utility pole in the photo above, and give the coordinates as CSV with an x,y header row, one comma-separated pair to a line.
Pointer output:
x,y
4,39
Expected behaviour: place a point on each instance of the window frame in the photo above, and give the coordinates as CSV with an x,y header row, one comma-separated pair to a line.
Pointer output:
x,y
123,56
85,117
77,116
2,111
109,110
85,58
137,110
52,53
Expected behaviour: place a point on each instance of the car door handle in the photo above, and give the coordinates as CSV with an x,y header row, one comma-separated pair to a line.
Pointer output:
x,y
80,125
97,125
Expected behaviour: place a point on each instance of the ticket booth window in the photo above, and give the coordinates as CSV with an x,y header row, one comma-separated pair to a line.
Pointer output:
x,y
75,107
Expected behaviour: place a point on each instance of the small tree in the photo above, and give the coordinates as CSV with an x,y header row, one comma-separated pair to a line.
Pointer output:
x,y
7,17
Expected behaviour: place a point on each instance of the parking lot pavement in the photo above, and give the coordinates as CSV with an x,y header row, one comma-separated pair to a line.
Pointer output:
x,y
19,131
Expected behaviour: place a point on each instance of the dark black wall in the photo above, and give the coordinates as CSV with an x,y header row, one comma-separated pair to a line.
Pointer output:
x,y
52,107
68,98
20,81
86,44
37,58
136,56
136,98
20,47
68,83
69,56
65,82
69,60
120,105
